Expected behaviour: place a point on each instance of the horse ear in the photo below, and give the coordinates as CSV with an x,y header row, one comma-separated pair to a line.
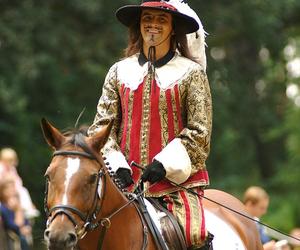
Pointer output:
x,y
98,140
52,135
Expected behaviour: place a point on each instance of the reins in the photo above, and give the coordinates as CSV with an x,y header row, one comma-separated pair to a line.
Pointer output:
x,y
131,198
89,225
222,205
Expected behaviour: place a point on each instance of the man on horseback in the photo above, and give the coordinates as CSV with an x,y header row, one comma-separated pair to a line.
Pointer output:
x,y
159,98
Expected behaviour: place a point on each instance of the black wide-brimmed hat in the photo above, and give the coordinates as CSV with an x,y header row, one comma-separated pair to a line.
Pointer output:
x,y
130,14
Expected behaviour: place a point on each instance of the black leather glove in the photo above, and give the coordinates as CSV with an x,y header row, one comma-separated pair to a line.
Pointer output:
x,y
154,172
124,175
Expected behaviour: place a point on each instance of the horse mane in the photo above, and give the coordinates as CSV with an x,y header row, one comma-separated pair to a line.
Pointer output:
x,y
76,137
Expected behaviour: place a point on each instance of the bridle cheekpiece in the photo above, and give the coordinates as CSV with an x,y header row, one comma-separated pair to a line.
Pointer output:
x,y
89,218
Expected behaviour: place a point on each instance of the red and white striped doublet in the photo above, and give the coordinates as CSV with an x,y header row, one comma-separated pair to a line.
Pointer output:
x,y
164,115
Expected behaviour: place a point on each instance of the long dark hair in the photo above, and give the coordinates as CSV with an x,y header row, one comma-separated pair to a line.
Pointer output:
x,y
135,42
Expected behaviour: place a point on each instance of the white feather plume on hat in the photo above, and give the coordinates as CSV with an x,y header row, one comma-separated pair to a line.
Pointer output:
x,y
196,40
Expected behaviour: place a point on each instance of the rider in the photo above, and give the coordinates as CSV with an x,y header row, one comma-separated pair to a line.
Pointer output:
x,y
159,98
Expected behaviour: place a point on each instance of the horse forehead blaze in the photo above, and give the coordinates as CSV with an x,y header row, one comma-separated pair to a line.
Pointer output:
x,y
72,168
69,178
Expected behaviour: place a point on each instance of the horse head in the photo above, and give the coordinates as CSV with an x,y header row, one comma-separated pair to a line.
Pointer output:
x,y
74,181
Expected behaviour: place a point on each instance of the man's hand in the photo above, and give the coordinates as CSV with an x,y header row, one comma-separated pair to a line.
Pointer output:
x,y
269,245
154,172
124,175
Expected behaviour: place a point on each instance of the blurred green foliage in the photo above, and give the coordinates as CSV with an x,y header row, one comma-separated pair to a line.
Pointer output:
x,y
54,56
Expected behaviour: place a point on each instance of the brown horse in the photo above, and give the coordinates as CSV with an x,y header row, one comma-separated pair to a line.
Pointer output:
x,y
87,211
232,230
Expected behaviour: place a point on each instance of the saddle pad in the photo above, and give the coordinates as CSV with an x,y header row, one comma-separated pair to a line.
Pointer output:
x,y
225,236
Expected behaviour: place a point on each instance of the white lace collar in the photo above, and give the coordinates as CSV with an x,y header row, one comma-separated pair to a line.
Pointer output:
x,y
131,73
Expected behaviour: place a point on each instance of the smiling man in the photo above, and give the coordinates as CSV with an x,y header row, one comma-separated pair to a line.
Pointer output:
x,y
156,29
159,98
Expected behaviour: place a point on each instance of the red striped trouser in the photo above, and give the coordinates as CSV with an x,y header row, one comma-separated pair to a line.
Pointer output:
x,y
188,211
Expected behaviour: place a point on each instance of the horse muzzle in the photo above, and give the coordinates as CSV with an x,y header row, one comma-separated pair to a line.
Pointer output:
x,y
60,239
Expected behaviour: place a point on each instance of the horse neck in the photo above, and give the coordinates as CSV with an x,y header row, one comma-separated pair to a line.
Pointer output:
x,y
113,198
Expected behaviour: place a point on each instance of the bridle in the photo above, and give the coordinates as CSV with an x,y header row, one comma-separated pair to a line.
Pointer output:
x,y
88,218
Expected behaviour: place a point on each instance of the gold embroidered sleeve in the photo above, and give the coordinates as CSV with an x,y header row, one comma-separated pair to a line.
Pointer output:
x,y
108,108
196,135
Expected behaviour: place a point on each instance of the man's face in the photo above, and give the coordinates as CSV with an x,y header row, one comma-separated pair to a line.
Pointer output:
x,y
9,159
258,209
156,27
9,191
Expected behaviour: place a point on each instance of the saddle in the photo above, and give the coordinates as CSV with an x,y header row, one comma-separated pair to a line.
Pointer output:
x,y
170,236
170,228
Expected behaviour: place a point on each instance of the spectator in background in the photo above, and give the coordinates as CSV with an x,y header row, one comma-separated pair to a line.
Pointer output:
x,y
12,213
256,201
295,233
8,169
8,165
3,239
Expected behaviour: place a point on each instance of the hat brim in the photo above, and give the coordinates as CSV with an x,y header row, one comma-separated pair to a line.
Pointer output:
x,y
130,14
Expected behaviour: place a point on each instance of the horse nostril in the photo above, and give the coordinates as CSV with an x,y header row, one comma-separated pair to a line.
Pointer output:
x,y
72,238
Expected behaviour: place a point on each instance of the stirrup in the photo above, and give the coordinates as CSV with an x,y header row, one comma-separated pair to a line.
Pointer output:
x,y
208,243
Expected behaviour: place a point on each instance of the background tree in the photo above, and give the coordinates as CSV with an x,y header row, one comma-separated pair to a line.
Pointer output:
x,y
54,56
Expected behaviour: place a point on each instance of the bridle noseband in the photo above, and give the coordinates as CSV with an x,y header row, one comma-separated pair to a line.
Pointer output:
x,y
68,210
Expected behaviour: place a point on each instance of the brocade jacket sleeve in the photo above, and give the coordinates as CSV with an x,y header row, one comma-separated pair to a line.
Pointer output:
x,y
186,154
109,108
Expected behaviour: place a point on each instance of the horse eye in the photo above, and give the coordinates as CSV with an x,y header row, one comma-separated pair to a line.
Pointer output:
x,y
93,178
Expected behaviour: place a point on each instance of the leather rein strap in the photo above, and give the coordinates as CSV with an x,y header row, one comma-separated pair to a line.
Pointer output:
x,y
153,228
